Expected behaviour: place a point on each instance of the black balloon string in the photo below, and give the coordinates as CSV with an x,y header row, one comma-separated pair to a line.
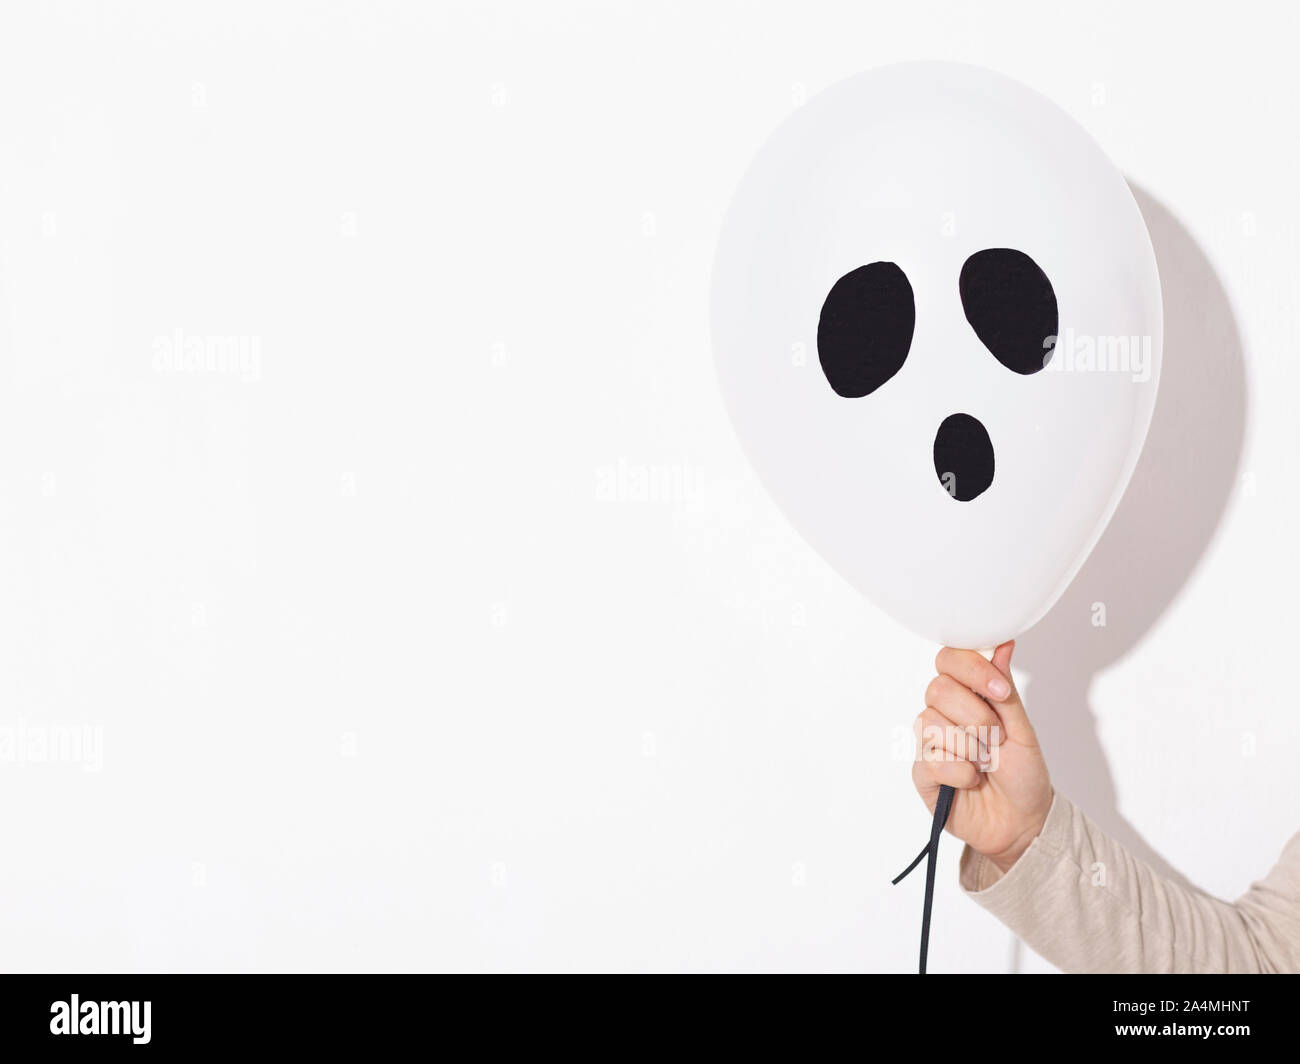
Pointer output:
x,y
942,807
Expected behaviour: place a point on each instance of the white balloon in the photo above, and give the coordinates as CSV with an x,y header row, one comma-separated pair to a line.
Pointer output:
x,y
924,165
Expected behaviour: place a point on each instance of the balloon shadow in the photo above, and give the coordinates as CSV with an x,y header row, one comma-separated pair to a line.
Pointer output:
x,y
1162,527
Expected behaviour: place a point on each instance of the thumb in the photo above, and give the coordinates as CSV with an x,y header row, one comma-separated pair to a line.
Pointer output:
x,y
1015,720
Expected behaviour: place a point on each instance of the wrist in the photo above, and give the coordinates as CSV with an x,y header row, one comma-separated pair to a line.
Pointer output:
x,y
1004,860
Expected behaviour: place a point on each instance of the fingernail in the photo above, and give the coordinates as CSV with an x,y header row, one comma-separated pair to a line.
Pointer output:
x,y
999,688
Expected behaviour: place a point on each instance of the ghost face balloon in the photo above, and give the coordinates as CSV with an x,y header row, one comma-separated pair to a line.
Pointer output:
x,y
937,326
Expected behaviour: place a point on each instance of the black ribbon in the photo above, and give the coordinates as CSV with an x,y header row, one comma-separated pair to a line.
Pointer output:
x,y
942,807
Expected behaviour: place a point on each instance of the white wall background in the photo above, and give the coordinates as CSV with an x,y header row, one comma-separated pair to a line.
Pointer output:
x,y
394,664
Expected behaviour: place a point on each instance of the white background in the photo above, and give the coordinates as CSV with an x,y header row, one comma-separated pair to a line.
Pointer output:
x,y
459,635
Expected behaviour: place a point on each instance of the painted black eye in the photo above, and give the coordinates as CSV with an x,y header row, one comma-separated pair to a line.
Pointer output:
x,y
1010,304
865,330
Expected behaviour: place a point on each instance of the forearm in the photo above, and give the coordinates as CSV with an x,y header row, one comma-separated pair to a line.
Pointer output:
x,y
1081,901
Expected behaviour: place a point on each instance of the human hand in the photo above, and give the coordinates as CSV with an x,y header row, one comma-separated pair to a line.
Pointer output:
x,y
974,717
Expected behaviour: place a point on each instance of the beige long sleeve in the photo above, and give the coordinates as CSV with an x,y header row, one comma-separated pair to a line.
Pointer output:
x,y
1081,901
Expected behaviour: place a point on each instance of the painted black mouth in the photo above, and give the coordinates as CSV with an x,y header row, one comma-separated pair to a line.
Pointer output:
x,y
963,457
